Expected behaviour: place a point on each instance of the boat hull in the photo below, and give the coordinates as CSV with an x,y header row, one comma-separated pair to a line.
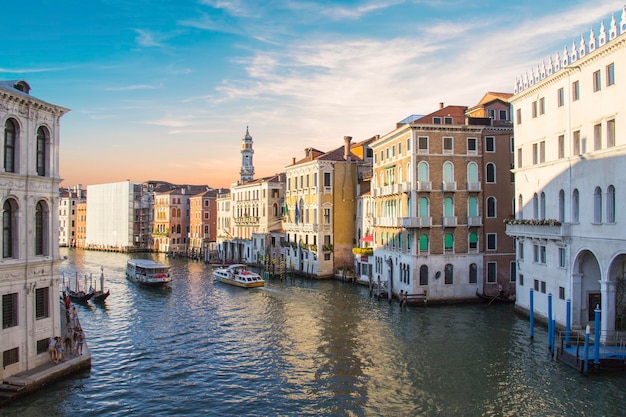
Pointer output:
x,y
236,283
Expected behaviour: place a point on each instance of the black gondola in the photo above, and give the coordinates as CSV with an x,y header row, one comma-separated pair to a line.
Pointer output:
x,y
100,295
80,296
496,298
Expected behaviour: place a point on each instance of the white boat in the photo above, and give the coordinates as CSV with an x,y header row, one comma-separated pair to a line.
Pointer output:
x,y
238,274
148,272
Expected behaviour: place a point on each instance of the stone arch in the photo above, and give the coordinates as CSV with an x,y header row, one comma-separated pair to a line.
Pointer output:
x,y
586,290
614,309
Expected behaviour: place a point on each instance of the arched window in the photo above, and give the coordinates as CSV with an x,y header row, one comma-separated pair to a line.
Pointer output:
x,y
399,174
473,242
472,172
610,204
424,275
520,206
423,207
275,209
423,242
472,209
173,212
408,241
597,205
409,177
178,212
473,274
422,172
41,228
178,228
448,242
491,172
491,207
575,206
448,172
449,274
9,229
542,206
43,138
535,207
448,207
561,206
10,137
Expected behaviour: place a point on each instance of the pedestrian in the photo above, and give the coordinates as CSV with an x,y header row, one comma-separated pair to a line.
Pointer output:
x,y
59,348
75,322
68,341
67,301
80,339
52,350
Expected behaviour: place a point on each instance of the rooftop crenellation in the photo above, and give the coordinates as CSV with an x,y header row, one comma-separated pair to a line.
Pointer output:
x,y
570,56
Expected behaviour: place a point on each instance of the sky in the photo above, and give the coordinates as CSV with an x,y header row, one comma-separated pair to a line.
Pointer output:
x,y
165,89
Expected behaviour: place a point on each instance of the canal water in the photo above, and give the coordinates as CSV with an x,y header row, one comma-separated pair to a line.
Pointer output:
x,y
305,347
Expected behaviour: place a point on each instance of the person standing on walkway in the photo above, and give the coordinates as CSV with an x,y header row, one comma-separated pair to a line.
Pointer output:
x,y
52,350
59,348
68,341
75,322
80,339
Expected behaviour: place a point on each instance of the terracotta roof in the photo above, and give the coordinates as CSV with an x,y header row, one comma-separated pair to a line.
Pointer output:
x,y
456,112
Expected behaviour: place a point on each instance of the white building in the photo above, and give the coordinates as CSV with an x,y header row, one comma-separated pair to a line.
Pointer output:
x,y
110,215
29,188
570,139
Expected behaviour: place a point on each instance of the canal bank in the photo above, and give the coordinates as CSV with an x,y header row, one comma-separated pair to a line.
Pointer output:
x,y
32,380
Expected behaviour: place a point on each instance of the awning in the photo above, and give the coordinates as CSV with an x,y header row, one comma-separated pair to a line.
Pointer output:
x,y
369,238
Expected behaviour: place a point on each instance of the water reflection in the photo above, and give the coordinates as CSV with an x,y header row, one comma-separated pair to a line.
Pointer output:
x,y
305,347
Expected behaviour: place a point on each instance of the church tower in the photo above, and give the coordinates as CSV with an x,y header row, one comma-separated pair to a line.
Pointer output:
x,y
247,168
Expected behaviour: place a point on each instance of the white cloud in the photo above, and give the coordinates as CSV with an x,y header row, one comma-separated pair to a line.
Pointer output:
x,y
149,40
134,87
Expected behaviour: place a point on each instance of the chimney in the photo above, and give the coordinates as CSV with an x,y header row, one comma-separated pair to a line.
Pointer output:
x,y
441,105
293,160
346,147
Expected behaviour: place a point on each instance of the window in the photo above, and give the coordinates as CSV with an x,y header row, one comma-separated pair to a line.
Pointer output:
x,y
610,74
561,206
562,293
521,280
327,182
42,151
560,97
576,145
542,105
491,172
447,145
422,171
473,241
561,257
473,274
422,144
543,287
42,303
503,115
326,216
534,109
448,207
436,120
542,151
610,204
423,242
10,135
448,243
535,153
9,215
561,146
471,146
400,148
597,137
491,113
491,207
42,346
423,207
472,204
9,310
449,274
447,120
448,172
610,133
575,206
597,205
575,91
492,272
536,285
423,275
597,81
513,271
10,357
542,205
519,116
490,144
41,229
520,251
472,172
535,207
492,242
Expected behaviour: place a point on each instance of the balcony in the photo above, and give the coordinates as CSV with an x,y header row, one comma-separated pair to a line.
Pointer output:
x,y
448,186
424,186
387,221
247,220
539,229
448,221
473,187
416,222
301,227
474,221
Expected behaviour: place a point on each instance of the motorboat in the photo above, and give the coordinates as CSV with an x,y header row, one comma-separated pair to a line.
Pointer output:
x,y
238,275
148,272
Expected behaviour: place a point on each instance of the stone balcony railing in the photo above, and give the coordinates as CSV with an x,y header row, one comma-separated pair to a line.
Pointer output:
x,y
416,222
539,231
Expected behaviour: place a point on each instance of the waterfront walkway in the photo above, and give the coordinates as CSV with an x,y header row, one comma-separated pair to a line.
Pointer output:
x,y
33,379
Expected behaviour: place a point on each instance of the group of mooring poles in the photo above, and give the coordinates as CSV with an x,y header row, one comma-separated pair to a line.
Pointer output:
x,y
568,329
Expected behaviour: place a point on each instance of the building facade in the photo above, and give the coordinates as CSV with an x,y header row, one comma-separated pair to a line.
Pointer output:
x,y
70,198
29,186
202,224
570,146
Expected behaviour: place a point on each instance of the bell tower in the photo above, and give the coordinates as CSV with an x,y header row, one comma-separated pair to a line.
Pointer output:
x,y
247,167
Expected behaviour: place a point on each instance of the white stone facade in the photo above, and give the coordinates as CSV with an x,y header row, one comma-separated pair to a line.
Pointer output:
x,y
110,215
29,267
570,140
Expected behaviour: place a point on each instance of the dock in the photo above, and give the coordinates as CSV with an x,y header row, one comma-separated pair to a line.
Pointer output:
x,y
611,355
31,380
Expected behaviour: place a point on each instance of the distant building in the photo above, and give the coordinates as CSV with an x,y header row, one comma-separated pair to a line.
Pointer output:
x,y
81,225
109,216
570,150
202,224
70,198
29,187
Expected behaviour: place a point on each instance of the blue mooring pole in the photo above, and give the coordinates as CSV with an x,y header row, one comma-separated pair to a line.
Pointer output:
x,y
596,342
553,336
568,321
586,354
550,330
532,314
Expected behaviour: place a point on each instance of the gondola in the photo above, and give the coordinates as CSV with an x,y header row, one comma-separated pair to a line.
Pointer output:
x,y
80,296
100,295
507,299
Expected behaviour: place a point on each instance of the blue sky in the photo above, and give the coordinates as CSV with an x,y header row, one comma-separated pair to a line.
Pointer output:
x,y
164,89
